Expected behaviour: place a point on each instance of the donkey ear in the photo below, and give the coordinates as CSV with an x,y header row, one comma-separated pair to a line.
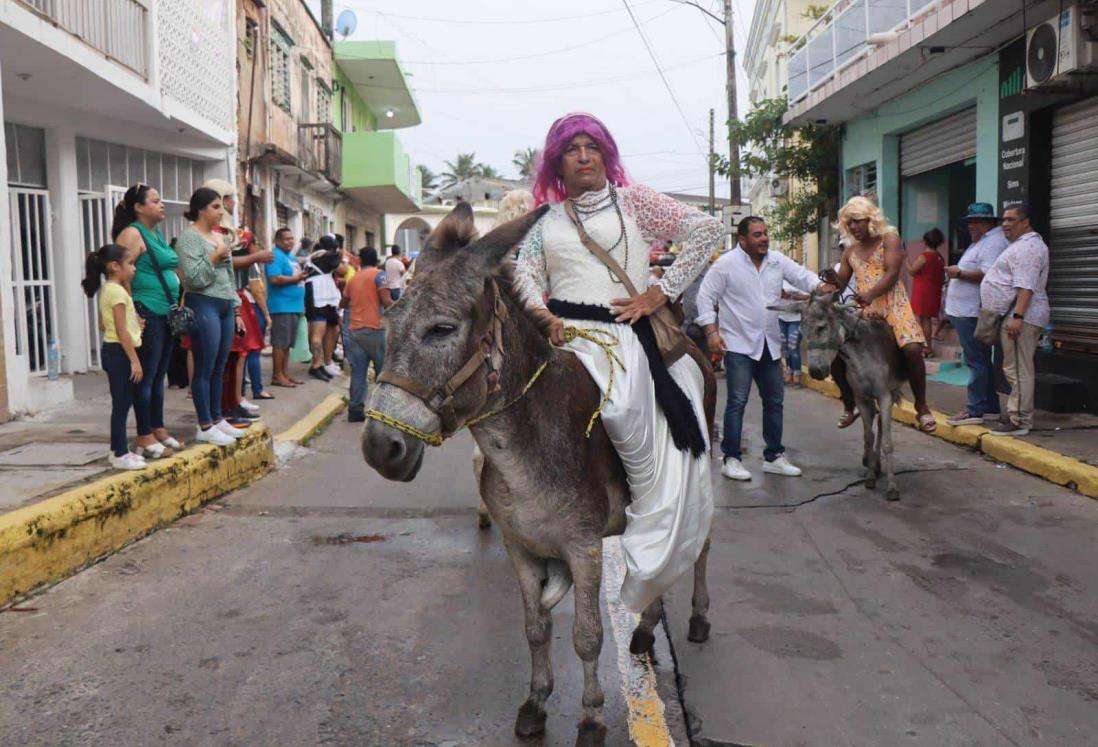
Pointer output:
x,y
455,231
794,307
849,321
502,240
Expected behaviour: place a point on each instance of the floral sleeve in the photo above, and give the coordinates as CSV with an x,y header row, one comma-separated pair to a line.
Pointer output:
x,y
531,273
663,217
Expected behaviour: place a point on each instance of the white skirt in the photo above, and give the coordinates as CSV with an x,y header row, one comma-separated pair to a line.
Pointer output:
x,y
668,519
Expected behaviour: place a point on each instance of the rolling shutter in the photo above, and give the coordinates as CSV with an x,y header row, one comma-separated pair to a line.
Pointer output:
x,y
939,143
1073,245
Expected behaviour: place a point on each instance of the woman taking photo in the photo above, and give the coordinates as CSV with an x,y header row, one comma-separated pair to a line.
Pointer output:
x,y
207,269
927,278
155,289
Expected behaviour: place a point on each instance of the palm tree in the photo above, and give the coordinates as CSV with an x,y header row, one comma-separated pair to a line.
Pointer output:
x,y
486,171
427,178
464,167
526,161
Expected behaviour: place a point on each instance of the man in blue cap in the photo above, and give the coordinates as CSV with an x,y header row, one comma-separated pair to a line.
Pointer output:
x,y
963,308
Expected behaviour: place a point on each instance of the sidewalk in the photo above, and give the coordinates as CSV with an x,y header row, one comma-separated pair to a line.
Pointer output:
x,y
67,445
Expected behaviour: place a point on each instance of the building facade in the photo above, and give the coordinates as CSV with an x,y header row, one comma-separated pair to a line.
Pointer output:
x,y
95,97
946,102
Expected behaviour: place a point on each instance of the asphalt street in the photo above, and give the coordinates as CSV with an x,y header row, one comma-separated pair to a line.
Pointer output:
x,y
324,605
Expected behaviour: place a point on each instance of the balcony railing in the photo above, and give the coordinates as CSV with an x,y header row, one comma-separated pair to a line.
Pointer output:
x,y
320,150
841,37
117,28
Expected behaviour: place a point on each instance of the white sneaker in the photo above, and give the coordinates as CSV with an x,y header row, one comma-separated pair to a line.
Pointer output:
x,y
249,407
129,460
229,430
733,469
781,466
213,435
156,450
333,370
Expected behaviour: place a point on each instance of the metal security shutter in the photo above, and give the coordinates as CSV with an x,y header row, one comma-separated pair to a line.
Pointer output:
x,y
939,143
1073,245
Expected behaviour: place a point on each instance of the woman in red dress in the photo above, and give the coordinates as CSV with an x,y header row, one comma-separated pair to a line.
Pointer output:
x,y
928,276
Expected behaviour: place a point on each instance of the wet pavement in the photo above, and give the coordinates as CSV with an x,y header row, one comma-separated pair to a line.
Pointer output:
x,y
324,605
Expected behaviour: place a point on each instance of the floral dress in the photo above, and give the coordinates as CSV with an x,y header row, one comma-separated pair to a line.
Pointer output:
x,y
669,517
894,305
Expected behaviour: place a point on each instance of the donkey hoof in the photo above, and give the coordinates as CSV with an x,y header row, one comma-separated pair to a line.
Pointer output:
x,y
484,520
893,495
642,642
591,734
530,721
699,629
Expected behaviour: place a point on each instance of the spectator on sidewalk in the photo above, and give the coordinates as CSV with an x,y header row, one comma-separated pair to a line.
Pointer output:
x,y
322,298
927,276
206,264
256,292
366,296
394,273
962,308
286,302
743,283
789,323
121,341
155,289
1016,287
305,249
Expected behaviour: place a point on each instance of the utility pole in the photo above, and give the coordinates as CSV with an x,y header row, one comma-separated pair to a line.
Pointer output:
x,y
326,19
712,170
733,110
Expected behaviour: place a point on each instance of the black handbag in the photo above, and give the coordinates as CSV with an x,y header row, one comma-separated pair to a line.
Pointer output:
x,y
180,318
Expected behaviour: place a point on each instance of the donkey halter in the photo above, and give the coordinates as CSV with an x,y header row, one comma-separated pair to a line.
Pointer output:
x,y
440,399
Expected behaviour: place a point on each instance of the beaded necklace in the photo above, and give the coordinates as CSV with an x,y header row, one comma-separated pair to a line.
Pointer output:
x,y
610,199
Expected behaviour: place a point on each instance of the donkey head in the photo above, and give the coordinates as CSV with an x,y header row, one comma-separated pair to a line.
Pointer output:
x,y
434,329
825,325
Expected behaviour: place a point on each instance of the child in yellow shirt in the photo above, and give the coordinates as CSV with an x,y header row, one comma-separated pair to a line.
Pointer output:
x,y
121,338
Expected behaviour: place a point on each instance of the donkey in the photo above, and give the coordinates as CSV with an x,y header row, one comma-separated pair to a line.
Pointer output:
x,y
874,369
553,492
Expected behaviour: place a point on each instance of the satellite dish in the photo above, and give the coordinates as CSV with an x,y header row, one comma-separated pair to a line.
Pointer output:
x,y
346,23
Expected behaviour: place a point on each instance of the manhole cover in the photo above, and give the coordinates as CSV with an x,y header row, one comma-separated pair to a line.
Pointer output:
x,y
46,454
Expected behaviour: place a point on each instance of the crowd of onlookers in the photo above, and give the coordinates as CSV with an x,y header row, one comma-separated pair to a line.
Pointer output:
x,y
199,311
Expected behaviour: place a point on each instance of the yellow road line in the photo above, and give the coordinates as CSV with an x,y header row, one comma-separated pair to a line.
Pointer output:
x,y
647,724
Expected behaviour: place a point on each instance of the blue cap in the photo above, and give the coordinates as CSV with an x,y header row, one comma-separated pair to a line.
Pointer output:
x,y
980,211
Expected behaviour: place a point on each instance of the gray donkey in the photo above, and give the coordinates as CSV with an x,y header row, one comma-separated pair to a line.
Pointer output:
x,y
461,346
874,369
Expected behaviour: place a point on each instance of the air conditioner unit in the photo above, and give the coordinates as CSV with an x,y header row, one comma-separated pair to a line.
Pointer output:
x,y
1060,47
779,187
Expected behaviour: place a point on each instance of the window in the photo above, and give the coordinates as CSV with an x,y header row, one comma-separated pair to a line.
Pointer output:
x,y
345,124
281,46
306,94
862,180
323,102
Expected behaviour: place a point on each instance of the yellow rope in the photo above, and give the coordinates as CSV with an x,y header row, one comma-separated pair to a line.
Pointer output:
x,y
599,337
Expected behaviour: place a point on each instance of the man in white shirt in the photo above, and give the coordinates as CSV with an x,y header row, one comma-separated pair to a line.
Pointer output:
x,y
741,284
962,307
394,273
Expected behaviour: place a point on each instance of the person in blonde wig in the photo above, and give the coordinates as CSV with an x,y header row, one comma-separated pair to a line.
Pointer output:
x,y
514,204
874,258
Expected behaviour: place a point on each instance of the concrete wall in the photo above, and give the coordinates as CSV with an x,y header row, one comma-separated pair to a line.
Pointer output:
x,y
875,137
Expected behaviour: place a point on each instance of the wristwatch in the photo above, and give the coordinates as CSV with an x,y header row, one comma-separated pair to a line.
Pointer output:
x,y
1016,315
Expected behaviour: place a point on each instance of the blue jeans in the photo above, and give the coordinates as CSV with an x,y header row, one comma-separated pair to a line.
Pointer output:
x,y
791,344
253,368
155,353
114,361
363,345
982,397
211,339
740,371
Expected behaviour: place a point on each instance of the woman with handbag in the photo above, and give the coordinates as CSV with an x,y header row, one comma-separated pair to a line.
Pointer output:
x,y
155,288
589,255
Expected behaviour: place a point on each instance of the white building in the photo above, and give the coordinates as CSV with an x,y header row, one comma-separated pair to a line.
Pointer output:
x,y
96,96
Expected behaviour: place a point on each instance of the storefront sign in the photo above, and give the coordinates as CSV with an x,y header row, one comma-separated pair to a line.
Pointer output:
x,y
1014,130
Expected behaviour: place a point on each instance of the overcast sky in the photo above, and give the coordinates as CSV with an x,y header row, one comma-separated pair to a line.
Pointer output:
x,y
491,76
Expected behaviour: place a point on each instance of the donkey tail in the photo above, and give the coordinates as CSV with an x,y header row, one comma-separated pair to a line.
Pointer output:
x,y
558,580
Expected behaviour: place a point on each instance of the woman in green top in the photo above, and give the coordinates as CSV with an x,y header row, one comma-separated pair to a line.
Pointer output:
x,y
207,272
134,227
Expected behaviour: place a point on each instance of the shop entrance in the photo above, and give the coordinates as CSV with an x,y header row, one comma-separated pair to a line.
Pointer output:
x,y
938,199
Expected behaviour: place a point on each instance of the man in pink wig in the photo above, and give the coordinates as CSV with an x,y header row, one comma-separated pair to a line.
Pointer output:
x,y
655,415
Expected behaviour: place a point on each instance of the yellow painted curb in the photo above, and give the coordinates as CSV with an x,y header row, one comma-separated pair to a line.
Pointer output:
x,y
309,426
45,541
58,536
1037,460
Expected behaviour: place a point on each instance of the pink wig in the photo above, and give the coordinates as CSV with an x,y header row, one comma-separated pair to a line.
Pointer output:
x,y
548,186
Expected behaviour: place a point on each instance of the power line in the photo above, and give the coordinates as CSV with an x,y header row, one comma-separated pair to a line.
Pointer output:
x,y
663,76
496,22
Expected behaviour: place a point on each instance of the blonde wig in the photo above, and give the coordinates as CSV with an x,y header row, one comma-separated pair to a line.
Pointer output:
x,y
515,204
862,208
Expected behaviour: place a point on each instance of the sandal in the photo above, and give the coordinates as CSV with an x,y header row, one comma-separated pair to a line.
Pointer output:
x,y
263,395
279,383
927,423
848,419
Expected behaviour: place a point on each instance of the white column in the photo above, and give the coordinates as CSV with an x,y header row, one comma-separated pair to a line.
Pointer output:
x,y
7,303
68,249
